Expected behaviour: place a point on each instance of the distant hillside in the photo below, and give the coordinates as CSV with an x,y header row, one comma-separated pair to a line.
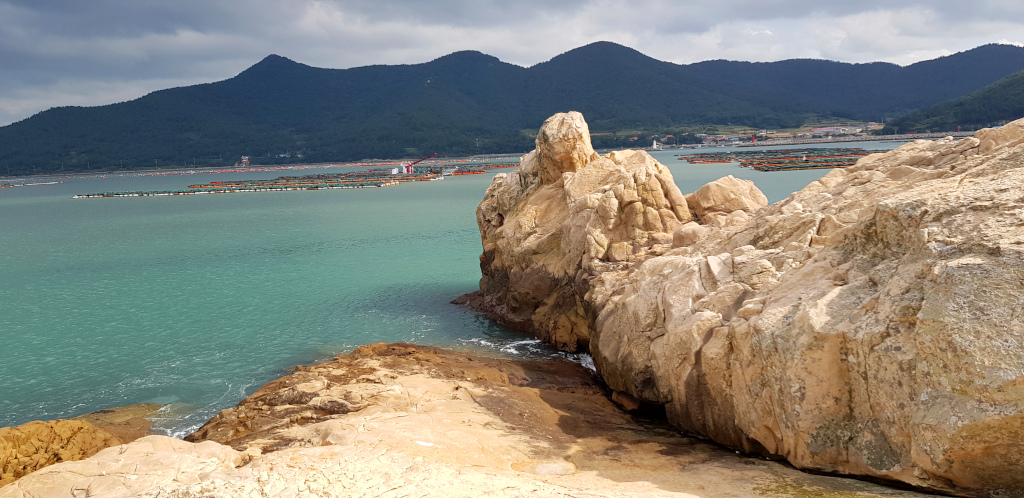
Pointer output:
x,y
281,111
868,92
995,104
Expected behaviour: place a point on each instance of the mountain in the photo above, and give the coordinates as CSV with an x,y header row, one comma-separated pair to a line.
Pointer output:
x,y
869,92
280,111
993,105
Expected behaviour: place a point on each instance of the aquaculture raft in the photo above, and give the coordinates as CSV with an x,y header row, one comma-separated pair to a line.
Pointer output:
x,y
783,159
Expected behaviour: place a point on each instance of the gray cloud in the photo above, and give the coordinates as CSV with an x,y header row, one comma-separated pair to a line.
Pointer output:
x,y
88,53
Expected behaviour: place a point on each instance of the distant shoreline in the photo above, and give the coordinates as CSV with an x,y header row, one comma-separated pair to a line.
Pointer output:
x,y
369,163
871,138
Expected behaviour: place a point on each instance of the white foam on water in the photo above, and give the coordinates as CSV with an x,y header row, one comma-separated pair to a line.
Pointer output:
x,y
583,359
511,347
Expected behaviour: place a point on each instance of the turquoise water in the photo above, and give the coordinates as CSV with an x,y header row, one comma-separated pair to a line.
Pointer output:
x,y
196,301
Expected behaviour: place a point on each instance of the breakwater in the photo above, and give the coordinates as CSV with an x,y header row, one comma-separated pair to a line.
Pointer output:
x,y
377,177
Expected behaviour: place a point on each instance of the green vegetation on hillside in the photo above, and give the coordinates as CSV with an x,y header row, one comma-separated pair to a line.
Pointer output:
x,y
997,104
280,111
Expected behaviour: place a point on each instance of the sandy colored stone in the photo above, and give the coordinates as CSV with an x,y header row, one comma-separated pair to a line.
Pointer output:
x,y
563,146
430,422
688,234
150,463
37,444
726,195
565,209
867,325
127,422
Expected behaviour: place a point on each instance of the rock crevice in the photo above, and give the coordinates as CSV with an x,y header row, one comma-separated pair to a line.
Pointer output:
x,y
869,324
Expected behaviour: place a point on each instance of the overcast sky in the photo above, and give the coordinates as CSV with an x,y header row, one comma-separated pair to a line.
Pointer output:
x,y
92,52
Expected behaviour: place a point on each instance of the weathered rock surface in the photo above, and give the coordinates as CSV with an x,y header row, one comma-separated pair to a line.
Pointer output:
x,y
726,201
869,324
563,213
37,444
127,422
403,420
153,463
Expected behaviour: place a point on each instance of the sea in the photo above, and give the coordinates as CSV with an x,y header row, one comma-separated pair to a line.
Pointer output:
x,y
196,301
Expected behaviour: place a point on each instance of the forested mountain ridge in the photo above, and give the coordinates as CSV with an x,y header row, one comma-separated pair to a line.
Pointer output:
x,y
467,102
995,104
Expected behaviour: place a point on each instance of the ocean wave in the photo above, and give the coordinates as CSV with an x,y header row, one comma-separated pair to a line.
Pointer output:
x,y
533,349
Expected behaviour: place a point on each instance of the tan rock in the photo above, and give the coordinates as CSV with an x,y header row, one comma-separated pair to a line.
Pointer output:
x,y
433,423
688,234
564,210
127,423
726,195
34,445
865,325
563,146
150,463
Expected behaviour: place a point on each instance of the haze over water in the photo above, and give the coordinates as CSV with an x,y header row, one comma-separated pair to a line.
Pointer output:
x,y
198,300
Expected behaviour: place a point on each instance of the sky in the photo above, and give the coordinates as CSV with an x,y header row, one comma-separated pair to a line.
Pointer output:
x,y
95,52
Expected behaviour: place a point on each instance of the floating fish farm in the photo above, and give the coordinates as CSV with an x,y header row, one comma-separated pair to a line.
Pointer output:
x,y
783,159
379,177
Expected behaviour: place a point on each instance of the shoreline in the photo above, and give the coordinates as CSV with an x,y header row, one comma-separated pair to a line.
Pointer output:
x,y
185,170
394,416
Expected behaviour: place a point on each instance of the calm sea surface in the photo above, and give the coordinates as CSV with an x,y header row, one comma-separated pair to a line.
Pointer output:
x,y
196,301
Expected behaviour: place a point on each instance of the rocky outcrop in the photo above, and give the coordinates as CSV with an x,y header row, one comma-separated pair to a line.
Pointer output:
x,y
127,423
34,445
564,213
151,464
37,444
404,420
869,324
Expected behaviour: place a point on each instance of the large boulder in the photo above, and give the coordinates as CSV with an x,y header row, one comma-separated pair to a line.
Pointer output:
x,y
726,199
563,215
869,324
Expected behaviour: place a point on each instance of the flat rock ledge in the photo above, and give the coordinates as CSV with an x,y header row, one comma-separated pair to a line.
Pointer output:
x,y
37,444
405,420
870,324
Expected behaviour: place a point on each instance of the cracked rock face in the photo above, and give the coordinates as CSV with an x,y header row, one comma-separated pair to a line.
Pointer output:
x,y
564,216
869,324
406,420
37,444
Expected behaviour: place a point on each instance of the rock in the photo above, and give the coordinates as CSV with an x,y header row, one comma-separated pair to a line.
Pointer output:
x,y
563,146
128,422
725,196
867,325
34,445
429,422
150,463
688,234
567,209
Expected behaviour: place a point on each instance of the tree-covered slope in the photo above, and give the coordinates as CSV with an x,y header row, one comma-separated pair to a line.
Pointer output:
x,y
468,102
869,92
993,105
